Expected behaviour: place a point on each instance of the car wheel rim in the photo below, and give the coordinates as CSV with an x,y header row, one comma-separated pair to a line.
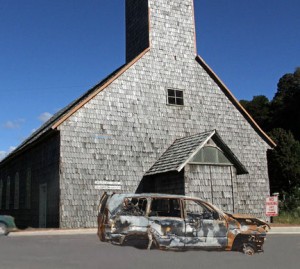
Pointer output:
x,y
248,250
3,229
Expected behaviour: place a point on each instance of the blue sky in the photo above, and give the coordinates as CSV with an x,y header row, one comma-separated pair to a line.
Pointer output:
x,y
52,51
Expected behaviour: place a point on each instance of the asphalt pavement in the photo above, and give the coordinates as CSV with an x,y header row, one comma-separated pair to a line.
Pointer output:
x,y
35,232
69,251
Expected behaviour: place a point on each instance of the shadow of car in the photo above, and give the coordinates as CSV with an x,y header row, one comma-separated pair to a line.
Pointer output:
x,y
176,222
7,225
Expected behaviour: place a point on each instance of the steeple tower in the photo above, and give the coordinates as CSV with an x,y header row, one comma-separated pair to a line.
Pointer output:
x,y
166,26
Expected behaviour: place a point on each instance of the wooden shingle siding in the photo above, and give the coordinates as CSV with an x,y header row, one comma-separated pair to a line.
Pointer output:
x,y
121,133
116,131
43,161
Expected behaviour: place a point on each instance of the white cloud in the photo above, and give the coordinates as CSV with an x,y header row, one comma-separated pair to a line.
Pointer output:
x,y
3,153
15,124
45,116
11,148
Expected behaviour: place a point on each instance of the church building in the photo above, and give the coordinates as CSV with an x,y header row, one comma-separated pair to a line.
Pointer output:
x,y
163,122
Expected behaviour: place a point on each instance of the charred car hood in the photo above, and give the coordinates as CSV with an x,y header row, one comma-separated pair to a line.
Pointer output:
x,y
248,219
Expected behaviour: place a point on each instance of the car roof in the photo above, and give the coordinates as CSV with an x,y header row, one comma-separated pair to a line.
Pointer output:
x,y
155,195
117,198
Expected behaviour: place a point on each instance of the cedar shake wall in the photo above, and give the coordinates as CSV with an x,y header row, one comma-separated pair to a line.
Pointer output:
x,y
213,183
120,134
42,160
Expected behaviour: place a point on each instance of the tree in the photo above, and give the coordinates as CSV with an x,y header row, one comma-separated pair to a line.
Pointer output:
x,y
280,117
283,163
285,104
259,109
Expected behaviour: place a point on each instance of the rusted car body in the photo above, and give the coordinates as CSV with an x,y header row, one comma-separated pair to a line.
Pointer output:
x,y
176,222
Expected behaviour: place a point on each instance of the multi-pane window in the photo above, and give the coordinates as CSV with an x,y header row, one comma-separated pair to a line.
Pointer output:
x,y
211,155
175,97
28,189
17,191
1,189
7,193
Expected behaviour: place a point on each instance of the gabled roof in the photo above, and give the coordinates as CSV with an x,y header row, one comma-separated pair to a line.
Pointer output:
x,y
235,102
184,149
70,109
54,122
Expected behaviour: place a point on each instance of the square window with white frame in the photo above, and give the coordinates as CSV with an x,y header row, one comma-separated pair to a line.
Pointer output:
x,y
175,97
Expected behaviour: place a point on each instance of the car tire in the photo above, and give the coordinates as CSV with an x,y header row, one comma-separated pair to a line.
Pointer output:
x,y
248,249
3,229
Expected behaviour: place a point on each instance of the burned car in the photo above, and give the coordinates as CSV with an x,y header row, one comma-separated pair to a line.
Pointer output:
x,y
176,222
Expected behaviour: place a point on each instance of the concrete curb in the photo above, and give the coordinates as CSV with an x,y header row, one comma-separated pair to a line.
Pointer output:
x,y
37,232
54,232
285,230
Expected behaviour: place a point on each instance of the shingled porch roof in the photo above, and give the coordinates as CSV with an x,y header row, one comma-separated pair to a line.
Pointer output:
x,y
184,149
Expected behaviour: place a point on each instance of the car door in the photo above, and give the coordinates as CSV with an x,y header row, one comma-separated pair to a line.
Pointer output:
x,y
166,222
204,226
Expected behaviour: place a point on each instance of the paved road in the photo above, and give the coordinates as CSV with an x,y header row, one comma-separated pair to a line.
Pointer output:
x,y
85,251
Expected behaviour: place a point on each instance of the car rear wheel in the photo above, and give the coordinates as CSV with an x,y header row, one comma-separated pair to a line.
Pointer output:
x,y
3,229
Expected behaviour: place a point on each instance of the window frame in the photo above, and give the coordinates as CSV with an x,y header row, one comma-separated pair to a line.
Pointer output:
x,y
1,193
212,163
28,189
204,205
175,97
16,204
179,200
7,193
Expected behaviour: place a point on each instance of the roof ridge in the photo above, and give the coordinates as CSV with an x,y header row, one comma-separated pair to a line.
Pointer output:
x,y
234,101
60,116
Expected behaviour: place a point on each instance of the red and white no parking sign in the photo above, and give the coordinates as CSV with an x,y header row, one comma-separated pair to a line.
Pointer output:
x,y
272,206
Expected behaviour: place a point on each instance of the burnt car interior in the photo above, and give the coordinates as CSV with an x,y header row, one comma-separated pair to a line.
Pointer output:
x,y
134,206
196,211
163,207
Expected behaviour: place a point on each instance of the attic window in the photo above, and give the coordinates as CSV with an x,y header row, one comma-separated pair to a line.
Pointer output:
x,y
175,97
211,155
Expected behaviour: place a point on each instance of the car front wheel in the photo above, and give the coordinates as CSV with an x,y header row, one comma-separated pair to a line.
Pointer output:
x,y
248,249
3,229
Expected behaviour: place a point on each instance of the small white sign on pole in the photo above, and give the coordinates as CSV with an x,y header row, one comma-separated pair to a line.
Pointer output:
x,y
272,206
108,185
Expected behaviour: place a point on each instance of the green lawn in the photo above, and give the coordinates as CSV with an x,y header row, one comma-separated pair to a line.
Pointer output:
x,y
288,217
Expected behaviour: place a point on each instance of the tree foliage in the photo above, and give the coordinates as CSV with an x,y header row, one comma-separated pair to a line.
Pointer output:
x,y
284,162
285,105
259,109
280,118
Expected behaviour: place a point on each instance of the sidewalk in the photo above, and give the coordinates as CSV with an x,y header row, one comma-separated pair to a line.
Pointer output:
x,y
35,232
285,230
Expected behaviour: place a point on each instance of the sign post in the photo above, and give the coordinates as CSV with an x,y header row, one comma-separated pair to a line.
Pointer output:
x,y
272,206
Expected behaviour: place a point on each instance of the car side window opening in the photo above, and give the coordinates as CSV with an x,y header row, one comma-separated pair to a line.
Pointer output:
x,y
165,207
134,206
197,210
